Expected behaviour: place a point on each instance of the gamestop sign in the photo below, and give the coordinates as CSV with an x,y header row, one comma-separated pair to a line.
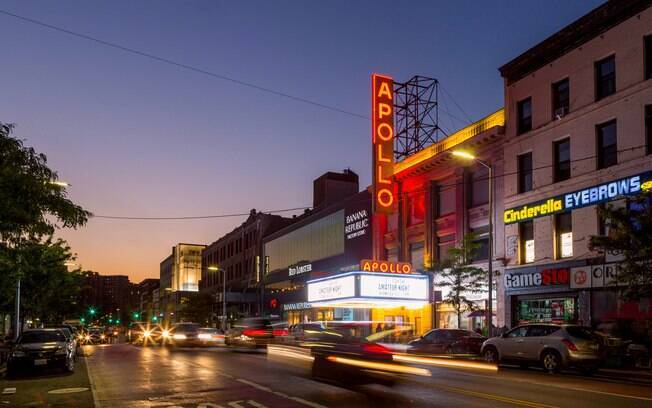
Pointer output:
x,y
553,277
382,88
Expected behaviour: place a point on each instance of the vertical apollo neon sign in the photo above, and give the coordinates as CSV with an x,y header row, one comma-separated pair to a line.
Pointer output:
x,y
382,136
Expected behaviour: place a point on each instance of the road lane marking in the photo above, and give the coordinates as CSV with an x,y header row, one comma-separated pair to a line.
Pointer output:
x,y
494,397
560,386
280,394
10,390
68,390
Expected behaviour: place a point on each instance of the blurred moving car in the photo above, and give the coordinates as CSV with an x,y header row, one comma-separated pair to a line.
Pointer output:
x,y
250,333
209,336
39,348
553,346
142,333
449,341
181,334
97,335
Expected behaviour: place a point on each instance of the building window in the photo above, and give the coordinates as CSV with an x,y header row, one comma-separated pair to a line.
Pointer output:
x,y
392,254
560,99
607,145
481,239
525,172
564,235
480,187
605,77
445,200
648,56
526,238
445,243
416,255
648,128
562,160
524,116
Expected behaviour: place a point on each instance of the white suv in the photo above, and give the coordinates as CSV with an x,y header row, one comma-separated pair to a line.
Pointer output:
x,y
554,346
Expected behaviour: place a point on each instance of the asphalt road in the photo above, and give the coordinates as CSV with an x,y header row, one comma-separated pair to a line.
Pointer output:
x,y
128,376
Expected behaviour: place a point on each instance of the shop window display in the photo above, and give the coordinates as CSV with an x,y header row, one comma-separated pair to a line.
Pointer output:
x,y
561,310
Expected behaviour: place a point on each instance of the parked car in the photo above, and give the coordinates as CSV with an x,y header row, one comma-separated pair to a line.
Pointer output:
x,y
41,348
553,346
181,334
251,333
209,336
438,341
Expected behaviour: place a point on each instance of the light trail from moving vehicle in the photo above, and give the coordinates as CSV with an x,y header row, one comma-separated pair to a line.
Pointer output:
x,y
445,362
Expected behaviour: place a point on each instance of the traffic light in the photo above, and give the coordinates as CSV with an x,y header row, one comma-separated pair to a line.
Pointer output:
x,y
117,321
92,311
136,315
110,320
154,318
82,320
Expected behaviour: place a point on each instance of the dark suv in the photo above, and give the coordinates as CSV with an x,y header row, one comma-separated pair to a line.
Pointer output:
x,y
41,348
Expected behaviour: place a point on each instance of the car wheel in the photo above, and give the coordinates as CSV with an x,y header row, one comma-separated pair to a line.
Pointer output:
x,y
551,361
490,355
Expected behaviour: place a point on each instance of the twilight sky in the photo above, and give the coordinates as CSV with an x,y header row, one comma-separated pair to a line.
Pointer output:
x,y
137,137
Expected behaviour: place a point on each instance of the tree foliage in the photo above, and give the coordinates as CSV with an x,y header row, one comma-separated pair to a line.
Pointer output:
x,y
30,203
50,291
198,309
457,274
630,235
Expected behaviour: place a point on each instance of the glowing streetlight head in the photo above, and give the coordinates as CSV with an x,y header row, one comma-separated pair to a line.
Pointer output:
x,y
59,183
213,268
463,155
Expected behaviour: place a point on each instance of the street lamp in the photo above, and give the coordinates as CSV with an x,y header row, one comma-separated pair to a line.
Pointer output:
x,y
468,156
217,269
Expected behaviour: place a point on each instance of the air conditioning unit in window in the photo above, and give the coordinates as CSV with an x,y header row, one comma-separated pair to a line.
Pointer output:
x,y
561,112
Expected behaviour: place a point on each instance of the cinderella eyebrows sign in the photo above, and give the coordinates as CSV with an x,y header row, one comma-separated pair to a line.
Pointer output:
x,y
580,198
382,136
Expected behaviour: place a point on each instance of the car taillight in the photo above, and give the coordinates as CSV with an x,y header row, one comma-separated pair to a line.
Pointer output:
x,y
280,332
569,344
375,349
254,332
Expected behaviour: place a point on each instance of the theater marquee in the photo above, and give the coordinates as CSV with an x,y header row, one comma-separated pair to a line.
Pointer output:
x,y
382,137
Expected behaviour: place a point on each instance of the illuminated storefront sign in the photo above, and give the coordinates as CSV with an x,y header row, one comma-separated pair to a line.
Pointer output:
x,y
580,198
333,288
369,265
356,224
296,306
394,287
547,277
299,269
594,276
364,289
382,123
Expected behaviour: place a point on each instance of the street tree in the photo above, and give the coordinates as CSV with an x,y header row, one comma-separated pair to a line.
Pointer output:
x,y
31,201
457,274
198,308
630,236
51,291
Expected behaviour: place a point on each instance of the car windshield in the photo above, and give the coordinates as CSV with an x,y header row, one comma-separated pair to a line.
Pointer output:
x,y
581,332
207,330
41,337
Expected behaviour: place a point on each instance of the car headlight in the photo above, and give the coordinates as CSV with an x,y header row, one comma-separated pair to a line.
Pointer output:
x,y
87,338
18,353
147,333
102,336
204,336
179,336
166,333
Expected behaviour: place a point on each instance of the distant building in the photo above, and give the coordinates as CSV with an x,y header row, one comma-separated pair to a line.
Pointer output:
x,y
180,273
145,292
109,295
237,255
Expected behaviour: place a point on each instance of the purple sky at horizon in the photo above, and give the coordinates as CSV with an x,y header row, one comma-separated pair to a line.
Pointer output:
x,y
137,137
